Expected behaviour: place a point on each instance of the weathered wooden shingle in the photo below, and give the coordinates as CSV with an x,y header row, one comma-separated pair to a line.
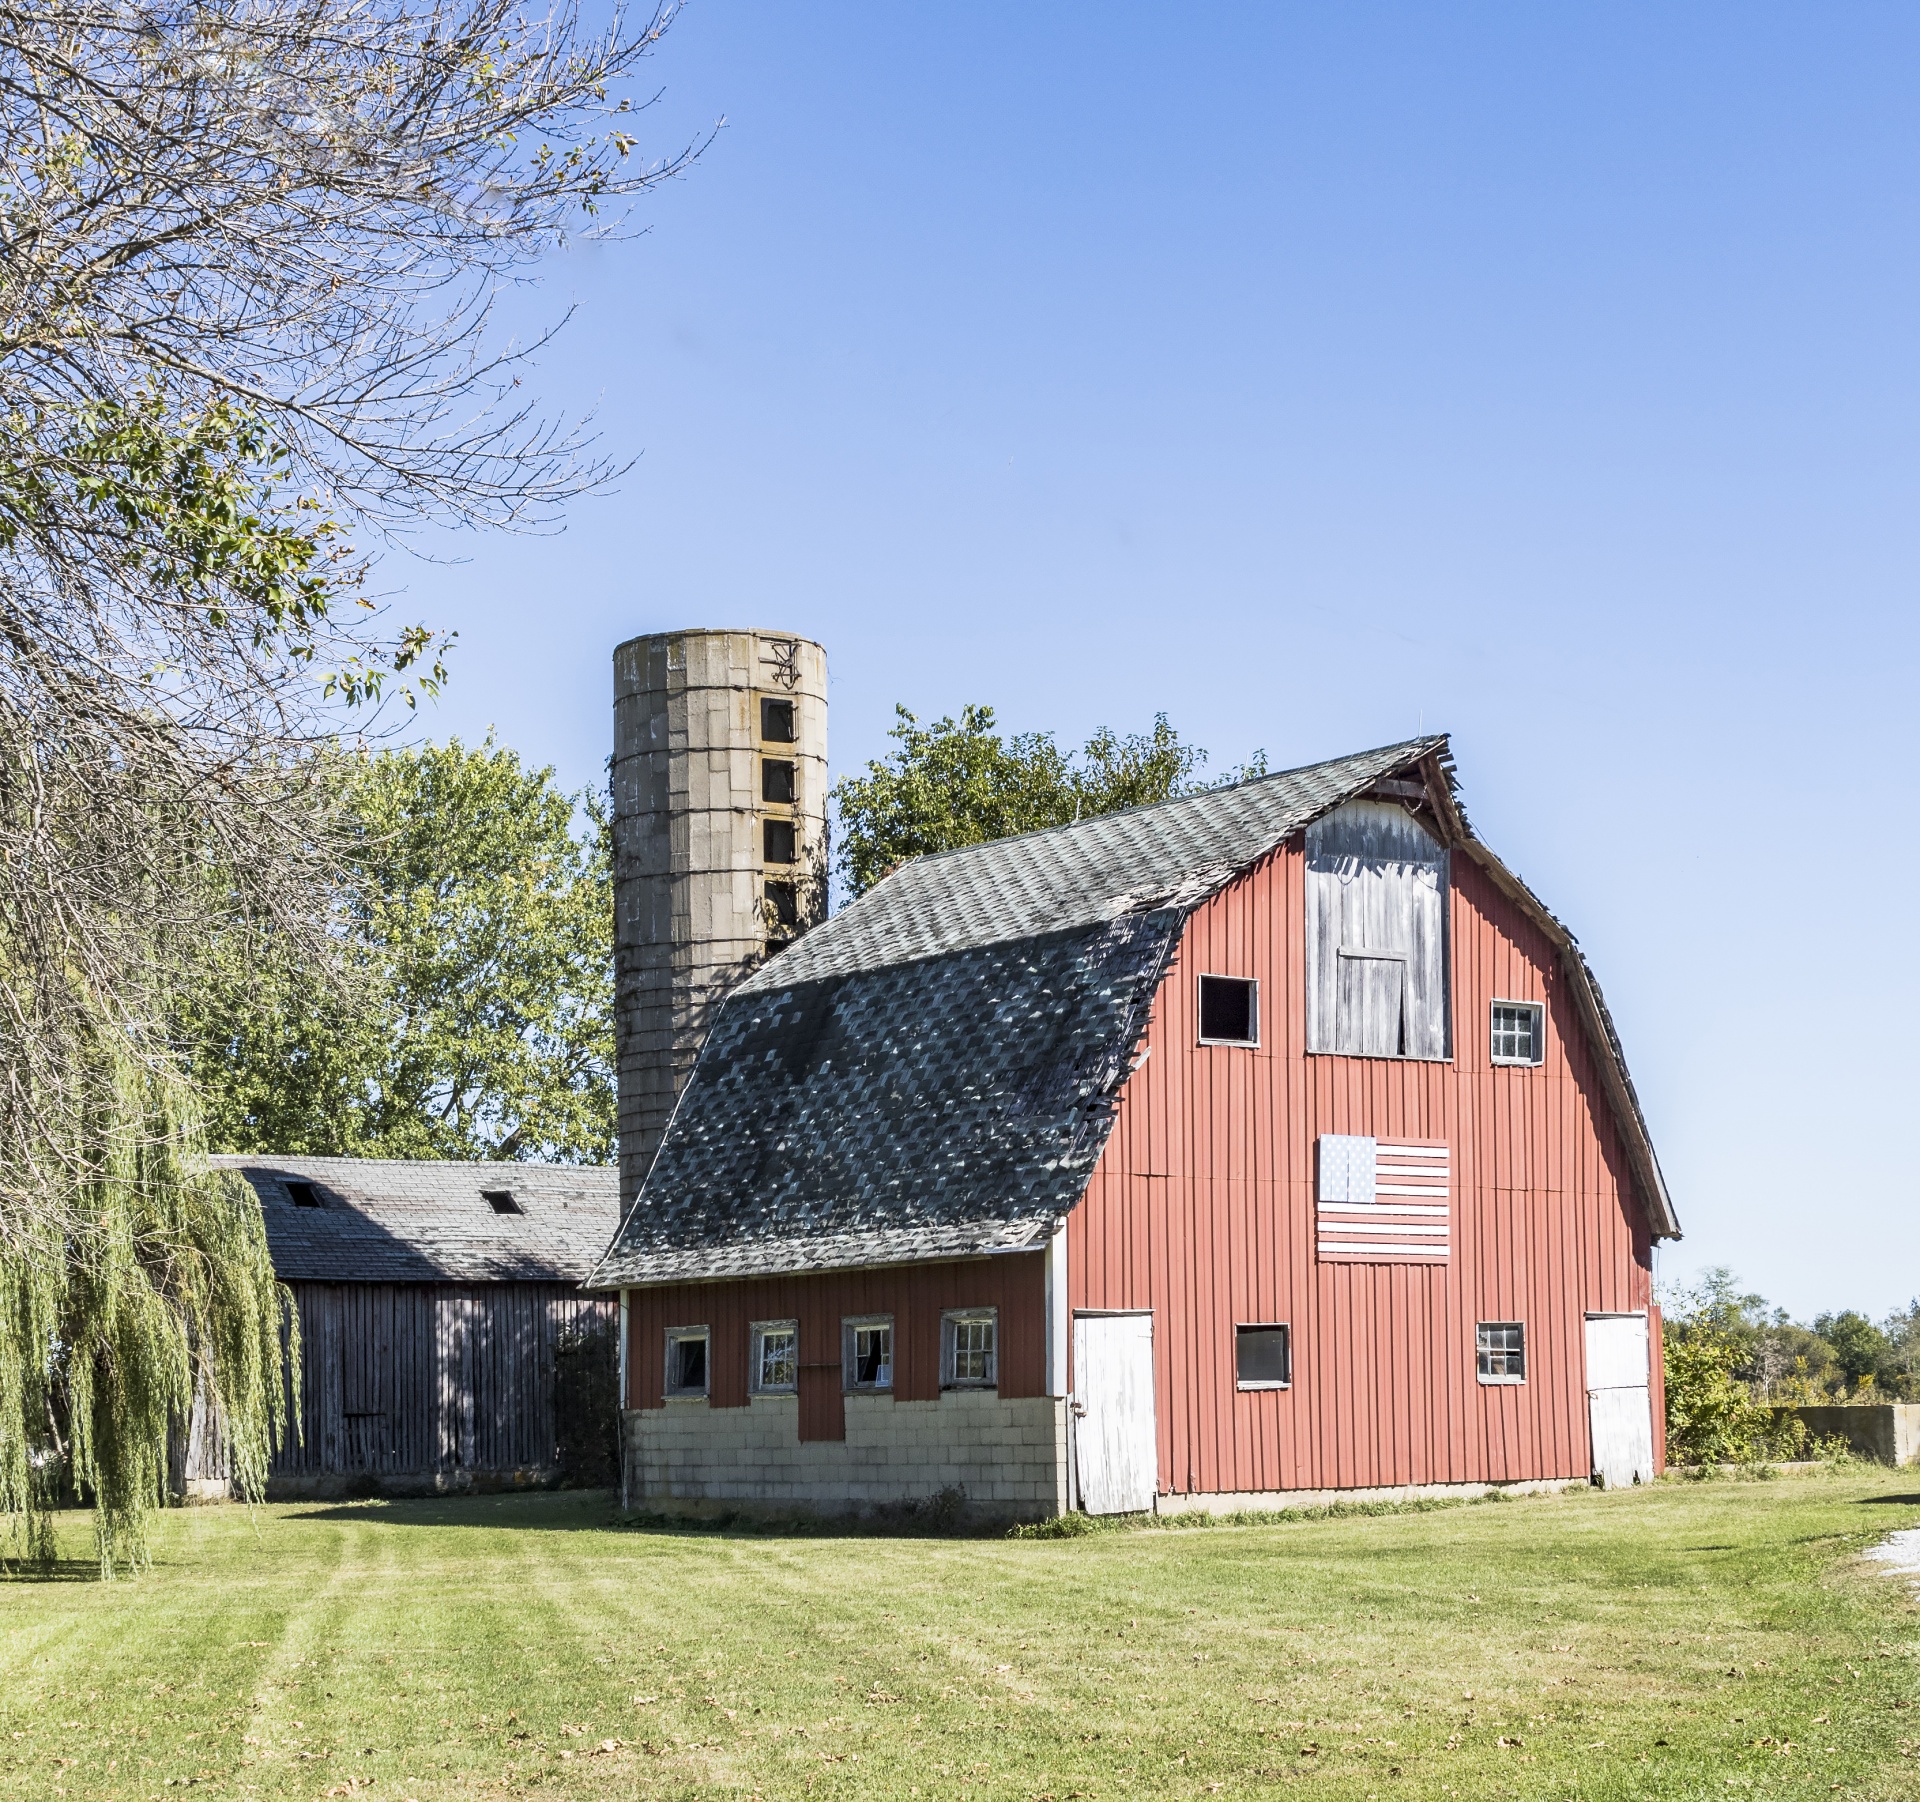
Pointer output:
x,y
386,1220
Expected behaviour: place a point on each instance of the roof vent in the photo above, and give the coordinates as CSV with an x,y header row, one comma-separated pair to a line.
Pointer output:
x,y
302,1195
501,1201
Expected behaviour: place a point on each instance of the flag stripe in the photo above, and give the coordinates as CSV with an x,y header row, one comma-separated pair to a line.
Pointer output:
x,y
1404,1216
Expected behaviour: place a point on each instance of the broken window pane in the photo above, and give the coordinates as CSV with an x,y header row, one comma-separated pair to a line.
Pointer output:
x,y
776,841
869,1354
1500,1349
778,1362
783,899
687,1363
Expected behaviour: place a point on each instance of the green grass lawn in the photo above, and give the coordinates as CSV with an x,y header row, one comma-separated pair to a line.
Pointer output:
x,y
1692,1640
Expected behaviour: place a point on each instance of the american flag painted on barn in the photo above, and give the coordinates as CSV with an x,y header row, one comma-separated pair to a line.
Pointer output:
x,y
1384,1200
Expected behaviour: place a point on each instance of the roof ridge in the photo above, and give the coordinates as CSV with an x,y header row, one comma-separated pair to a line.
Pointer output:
x,y
1414,747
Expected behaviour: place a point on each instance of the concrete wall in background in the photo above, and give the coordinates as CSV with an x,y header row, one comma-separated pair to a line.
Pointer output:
x,y
720,843
1887,1432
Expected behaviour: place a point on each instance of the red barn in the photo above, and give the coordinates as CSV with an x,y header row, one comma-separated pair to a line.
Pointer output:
x,y
1264,1144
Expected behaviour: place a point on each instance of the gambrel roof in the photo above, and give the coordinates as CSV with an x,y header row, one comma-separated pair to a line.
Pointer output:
x,y
392,1220
932,1072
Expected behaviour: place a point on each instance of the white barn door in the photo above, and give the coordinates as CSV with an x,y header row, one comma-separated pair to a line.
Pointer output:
x,y
1620,1399
1116,1451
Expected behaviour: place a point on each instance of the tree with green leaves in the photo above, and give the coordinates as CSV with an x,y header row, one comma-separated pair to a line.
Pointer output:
x,y
476,1021
958,783
248,260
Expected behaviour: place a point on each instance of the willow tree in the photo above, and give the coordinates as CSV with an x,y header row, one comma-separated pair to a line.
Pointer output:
x,y
248,256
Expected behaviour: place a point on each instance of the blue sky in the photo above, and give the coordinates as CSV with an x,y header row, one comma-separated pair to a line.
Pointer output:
x,y
1321,375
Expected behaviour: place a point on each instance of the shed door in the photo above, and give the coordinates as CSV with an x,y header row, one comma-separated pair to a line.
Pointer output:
x,y
1116,1452
1619,1399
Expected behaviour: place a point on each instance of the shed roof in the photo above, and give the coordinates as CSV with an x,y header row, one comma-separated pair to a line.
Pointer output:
x,y
932,1072
391,1220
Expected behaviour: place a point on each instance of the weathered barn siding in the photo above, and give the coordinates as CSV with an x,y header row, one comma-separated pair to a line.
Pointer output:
x,y
1202,1209
915,1295
430,1385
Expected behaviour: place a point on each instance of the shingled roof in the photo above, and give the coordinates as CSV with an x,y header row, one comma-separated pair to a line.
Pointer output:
x,y
384,1220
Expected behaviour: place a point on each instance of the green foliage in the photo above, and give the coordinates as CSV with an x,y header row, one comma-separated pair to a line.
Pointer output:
x,y
1862,1351
476,1020
586,1406
1712,1417
958,783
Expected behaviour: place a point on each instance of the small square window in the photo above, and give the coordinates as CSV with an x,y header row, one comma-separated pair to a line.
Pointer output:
x,y
776,781
776,721
501,1201
969,1349
867,1351
1229,1010
303,1195
1500,1349
776,1357
776,840
1263,1356
1519,1035
687,1360
783,902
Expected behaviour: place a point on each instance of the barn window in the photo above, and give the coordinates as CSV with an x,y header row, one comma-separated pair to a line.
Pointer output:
x,y
1519,1035
776,721
1500,1349
1229,1010
776,841
867,1352
776,1357
302,1195
969,1349
687,1360
501,1201
1263,1356
776,780
1376,916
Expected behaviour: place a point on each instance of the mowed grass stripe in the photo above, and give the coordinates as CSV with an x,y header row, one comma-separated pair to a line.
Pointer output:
x,y
1694,1640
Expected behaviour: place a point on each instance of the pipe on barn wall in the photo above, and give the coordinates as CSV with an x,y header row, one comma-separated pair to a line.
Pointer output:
x,y
620,1409
1057,1312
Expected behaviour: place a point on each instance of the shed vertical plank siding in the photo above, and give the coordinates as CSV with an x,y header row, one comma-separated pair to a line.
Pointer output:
x,y
1202,1208
430,1382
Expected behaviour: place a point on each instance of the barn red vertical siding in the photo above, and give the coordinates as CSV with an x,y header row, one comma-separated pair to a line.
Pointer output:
x,y
1202,1209
915,1295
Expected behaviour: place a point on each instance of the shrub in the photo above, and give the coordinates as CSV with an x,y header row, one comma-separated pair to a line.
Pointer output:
x,y
586,1407
1711,1414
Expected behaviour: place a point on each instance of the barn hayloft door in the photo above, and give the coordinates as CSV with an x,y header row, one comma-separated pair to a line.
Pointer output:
x,y
1116,1451
1619,1399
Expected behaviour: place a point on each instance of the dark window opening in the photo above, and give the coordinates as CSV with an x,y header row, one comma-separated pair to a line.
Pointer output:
x,y
1229,1010
776,840
501,1201
776,780
1263,1356
302,1195
868,1353
687,1364
776,721
784,899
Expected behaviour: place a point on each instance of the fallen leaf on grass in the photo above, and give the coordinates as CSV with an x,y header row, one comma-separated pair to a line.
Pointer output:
x,y
1510,1744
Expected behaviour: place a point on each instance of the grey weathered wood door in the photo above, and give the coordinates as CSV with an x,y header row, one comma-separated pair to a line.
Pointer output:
x,y
1620,1399
1116,1452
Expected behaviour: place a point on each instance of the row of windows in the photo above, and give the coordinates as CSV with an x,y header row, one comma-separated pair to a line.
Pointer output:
x,y
969,1354
1263,1353
1230,1015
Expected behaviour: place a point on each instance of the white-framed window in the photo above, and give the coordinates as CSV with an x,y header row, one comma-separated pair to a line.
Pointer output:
x,y
775,1357
688,1366
1519,1034
1263,1355
867,1352
969,1348
1229,1010
1500,1351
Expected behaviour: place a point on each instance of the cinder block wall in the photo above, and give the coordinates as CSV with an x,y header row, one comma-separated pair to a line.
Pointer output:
x,y
1009,1455
693,795
1888,1432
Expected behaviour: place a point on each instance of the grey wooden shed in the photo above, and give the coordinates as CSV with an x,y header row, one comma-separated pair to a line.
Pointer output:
x,y
433,1299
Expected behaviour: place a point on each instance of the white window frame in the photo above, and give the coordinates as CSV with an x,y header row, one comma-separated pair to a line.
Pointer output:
x,y
1482,1351
951,1320
1255,1384
759,1332
675,1335
1539,1011
1199,1008
850,1326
